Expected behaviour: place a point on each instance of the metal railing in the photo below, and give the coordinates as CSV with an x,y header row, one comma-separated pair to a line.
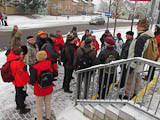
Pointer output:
x,y
121,82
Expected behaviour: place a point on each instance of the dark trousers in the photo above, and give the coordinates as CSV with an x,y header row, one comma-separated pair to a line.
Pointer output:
x,y
20,97
67,78
152,74
104,86
5,23
123,79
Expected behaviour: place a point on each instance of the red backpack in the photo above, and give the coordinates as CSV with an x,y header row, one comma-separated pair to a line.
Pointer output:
x,y
6,72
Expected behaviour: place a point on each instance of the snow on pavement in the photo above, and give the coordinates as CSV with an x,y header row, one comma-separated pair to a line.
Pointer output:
x,y
40,21
62,103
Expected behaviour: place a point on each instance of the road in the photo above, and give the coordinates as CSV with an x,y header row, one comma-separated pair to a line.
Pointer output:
x,y
5,35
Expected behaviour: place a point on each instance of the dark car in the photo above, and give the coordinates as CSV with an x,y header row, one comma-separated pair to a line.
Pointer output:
x,y
97,21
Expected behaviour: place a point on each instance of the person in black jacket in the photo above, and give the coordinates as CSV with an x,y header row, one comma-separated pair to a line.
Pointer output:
x,y
105,57
124,55
41,39
49,48
68,63
103,38
85,36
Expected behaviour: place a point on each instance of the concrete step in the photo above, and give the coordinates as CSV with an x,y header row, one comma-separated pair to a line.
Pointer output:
x,y
111,113
129,112
99,112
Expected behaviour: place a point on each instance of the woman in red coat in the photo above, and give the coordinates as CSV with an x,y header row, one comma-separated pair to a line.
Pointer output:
x,y
42,93
21,78
95,43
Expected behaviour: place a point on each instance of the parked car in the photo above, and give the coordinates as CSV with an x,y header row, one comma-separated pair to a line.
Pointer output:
x,y
97,21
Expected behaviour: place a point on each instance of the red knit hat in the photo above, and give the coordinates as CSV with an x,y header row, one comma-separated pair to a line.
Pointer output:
x,y
110,41
118,34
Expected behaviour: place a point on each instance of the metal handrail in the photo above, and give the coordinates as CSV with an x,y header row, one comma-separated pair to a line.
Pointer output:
x,y
95,80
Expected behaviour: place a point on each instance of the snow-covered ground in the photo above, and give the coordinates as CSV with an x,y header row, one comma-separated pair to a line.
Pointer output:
x,y
40,21
62,103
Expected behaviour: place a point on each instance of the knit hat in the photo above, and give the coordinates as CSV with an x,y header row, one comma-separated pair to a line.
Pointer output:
x,y
24,49
41,55
110,41
74,28
28,37
158,27
70,37
130,33
17,50
118,34
88,41
52,35
144,23
41,33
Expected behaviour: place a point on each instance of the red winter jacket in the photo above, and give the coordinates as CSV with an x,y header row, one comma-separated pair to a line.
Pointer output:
x,y
36,71
58,43
96,45
21,76
158,42
78,42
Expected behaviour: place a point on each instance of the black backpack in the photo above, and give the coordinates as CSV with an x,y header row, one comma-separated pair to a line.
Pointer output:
x,y
110,56
46,78
85,61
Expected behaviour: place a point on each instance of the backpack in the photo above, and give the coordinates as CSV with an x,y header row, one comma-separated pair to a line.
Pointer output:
x,y
62,54
151,52
46,78
110,57
6,72
85,61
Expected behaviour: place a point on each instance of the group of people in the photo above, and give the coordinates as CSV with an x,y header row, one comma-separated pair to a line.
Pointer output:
x,y
3,18
47,50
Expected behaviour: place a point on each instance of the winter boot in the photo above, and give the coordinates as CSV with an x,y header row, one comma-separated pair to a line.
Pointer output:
x,y
24,111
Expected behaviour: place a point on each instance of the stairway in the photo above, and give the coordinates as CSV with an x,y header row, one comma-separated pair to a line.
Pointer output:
x,y
112,112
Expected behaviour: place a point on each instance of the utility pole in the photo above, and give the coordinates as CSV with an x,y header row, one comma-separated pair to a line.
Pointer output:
x,y
158,20
115,24
151,13
109,12
133,16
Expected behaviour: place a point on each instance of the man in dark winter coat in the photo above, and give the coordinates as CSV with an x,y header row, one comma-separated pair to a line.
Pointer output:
x,y
124,54
49,48
68,64
106,56
41,39
103,38
78,60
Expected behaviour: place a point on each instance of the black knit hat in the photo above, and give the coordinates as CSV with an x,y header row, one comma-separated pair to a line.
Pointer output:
x,y
74,28
52,35
28,37
130,33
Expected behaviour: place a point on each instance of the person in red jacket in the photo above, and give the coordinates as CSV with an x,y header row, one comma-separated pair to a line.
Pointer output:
x,y
77,40
43,94
95,43
60,41
21,78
